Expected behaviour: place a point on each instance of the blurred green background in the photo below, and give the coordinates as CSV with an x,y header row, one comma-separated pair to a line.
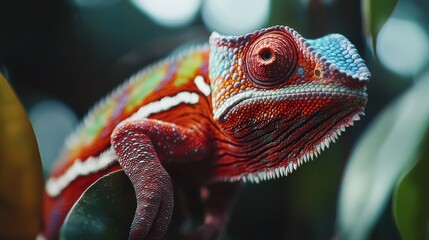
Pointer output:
x,y
62,56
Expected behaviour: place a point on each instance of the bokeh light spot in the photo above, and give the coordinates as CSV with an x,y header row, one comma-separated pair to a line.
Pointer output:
x,y
235,17
169,13
52,122
403,46
94,3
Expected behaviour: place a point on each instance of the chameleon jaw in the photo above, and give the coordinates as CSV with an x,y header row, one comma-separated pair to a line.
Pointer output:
x,y
291,165
222,113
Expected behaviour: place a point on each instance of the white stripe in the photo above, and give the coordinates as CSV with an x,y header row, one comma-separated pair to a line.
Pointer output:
x,y
165,104
54,186
225,106
202,85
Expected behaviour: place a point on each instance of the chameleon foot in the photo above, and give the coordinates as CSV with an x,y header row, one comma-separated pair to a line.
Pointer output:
x,y
152,184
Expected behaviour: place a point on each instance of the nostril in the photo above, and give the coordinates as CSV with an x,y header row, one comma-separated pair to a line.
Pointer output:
x,y
365,77
318,73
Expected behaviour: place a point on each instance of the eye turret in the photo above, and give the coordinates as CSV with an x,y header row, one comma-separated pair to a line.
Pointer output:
x,y
271,59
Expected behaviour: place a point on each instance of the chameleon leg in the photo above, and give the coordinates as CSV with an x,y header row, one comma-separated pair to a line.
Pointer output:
x,y
133,141
217,200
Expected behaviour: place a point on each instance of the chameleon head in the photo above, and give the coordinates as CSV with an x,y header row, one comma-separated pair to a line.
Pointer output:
x,y
282,97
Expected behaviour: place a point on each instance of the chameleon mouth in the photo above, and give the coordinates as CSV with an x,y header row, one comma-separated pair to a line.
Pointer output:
x,y
287,167
311,91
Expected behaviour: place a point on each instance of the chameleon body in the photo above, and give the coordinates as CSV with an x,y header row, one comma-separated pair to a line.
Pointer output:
x,y
238,109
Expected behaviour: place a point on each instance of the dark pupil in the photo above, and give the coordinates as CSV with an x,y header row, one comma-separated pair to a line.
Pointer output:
x,y
266,55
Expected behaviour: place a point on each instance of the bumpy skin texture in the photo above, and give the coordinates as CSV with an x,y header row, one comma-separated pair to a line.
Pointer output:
x,y
243,108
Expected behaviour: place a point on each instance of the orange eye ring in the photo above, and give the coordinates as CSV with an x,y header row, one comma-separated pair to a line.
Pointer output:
x,y
271,59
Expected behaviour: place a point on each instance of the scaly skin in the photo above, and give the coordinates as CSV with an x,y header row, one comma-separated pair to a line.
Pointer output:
x,y
245,108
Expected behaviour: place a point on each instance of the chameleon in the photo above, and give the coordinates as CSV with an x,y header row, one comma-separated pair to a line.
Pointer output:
x,y
237,109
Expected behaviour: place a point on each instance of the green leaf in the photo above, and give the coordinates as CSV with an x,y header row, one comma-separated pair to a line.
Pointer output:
x,y
21,180
389,146
411,199
105,210
375,14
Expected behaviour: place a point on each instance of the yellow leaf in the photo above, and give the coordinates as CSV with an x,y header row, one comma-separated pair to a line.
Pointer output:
x,y
21,179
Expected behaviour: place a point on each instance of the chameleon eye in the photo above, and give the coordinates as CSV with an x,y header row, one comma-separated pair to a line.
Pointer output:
x,y
271,59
